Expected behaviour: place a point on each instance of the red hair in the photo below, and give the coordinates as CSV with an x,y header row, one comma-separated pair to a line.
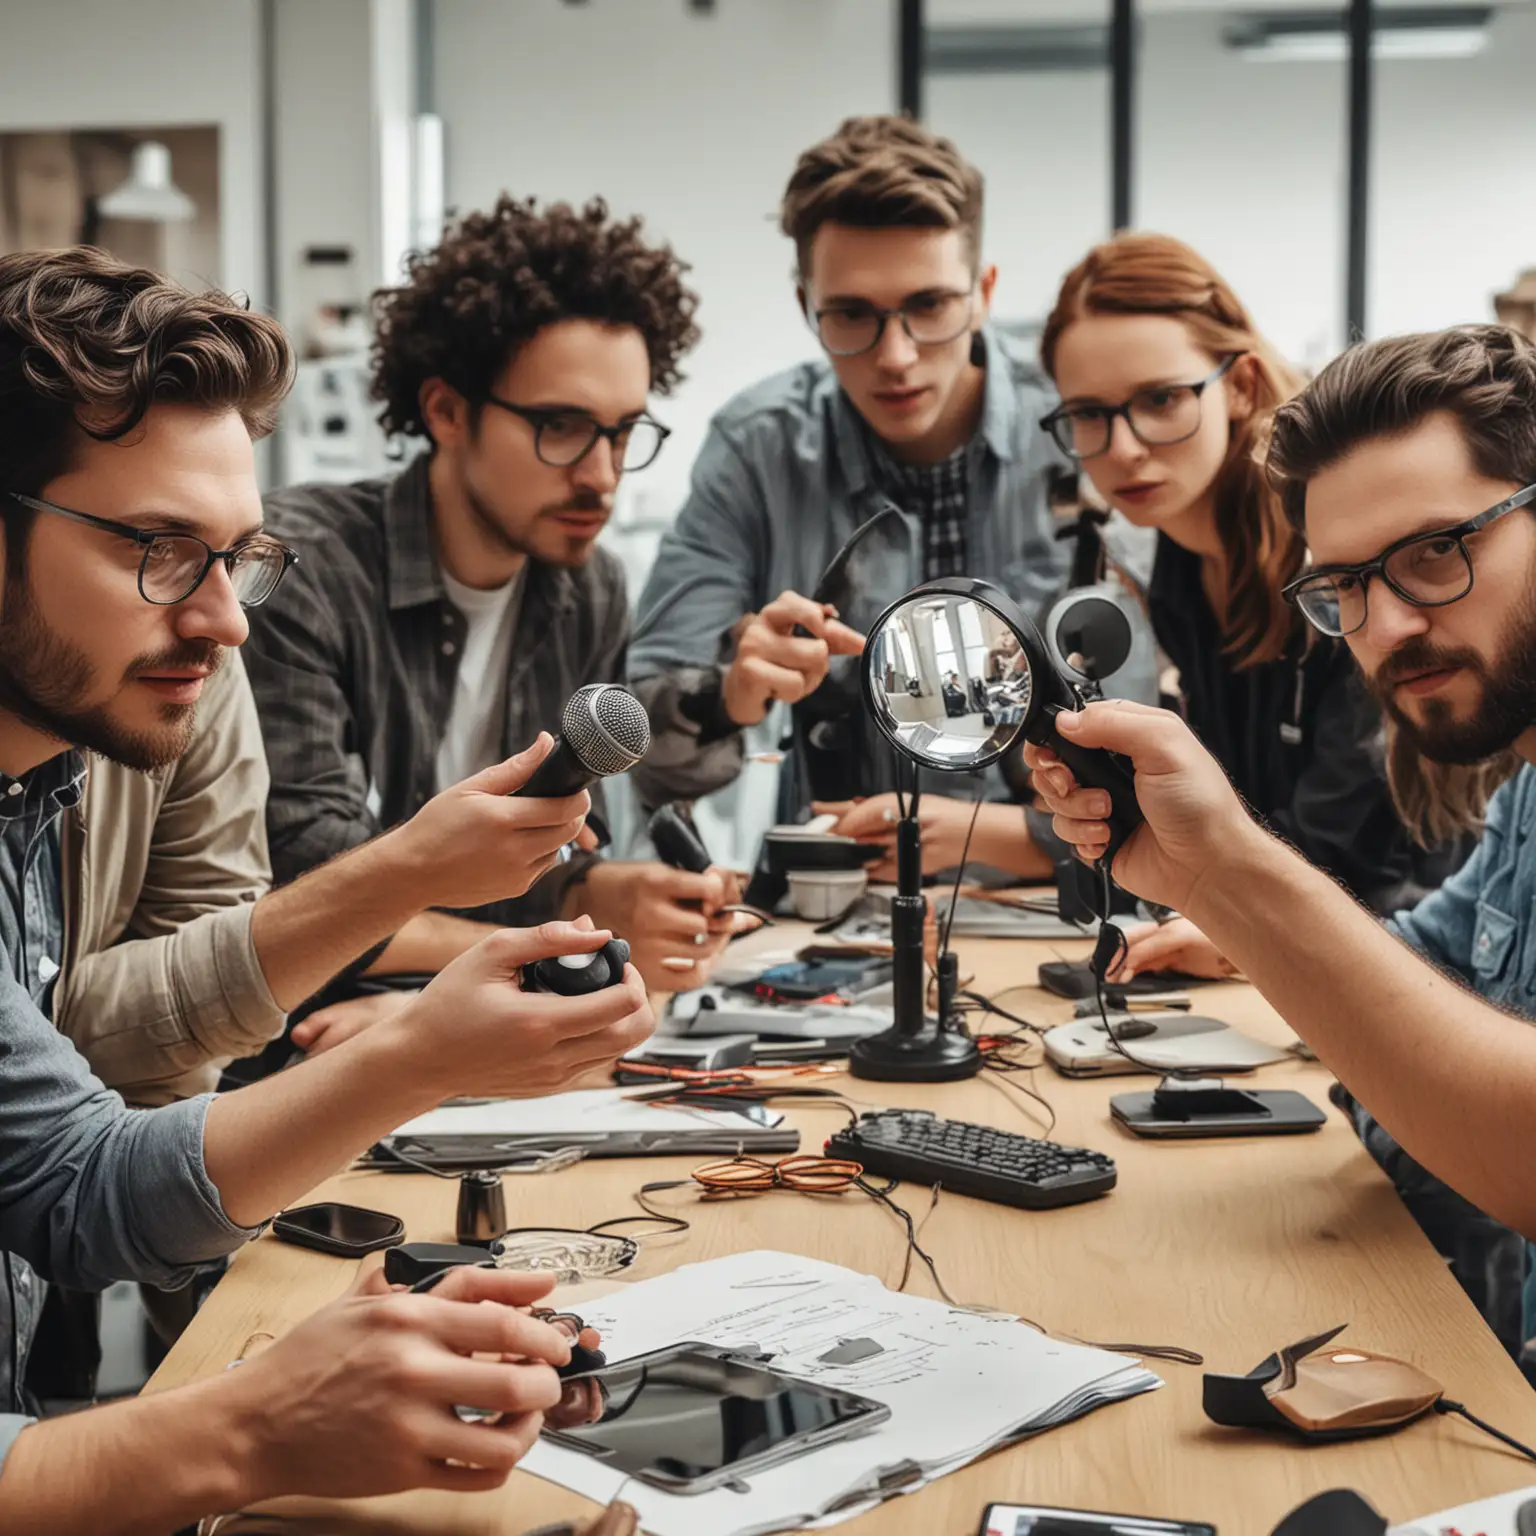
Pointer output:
x,y
1145,274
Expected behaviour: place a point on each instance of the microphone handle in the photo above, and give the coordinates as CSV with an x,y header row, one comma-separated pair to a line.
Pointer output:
x,y
562,773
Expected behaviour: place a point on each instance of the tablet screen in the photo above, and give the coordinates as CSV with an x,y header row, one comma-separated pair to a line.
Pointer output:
x,y
683,1414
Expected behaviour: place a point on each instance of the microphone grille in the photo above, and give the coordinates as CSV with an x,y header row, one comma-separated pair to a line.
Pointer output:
x,y
606,727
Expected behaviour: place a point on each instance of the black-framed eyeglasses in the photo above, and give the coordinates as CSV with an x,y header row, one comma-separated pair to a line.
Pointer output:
x,y
564,438
173,565
1428,570
930,320
1158,415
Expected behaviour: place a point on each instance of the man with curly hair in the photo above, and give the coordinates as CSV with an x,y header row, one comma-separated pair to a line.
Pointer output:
x,y
919,412
439,618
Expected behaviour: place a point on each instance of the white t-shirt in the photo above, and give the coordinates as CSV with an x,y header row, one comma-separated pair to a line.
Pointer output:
x,y
472,738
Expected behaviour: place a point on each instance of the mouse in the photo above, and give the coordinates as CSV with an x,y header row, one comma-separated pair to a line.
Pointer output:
x,y
583,1362
1134,1029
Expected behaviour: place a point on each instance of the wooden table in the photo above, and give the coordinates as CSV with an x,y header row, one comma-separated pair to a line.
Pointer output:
x,y
1229,1247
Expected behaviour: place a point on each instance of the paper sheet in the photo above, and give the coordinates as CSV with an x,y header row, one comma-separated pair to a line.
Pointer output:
x,y
1488,1517
591,1112
957,1384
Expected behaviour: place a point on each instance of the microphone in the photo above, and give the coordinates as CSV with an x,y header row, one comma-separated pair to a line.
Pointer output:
x,y
603,730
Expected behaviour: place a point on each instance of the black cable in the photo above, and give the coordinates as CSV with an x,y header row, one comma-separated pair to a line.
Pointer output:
x,y
1446,1406
965,853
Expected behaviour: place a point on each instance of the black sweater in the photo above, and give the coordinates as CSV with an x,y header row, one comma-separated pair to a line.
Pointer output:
x,y
1300,738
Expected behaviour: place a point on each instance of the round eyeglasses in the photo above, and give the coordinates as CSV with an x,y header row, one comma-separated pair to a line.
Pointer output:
x,y
1427,570
1159,415
174,565
564,438
852,327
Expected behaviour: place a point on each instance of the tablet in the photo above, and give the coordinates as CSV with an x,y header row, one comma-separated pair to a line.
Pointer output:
x,y
1037,1520
693,1417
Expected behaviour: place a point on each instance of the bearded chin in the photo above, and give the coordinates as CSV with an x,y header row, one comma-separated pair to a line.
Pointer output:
x,y
44,679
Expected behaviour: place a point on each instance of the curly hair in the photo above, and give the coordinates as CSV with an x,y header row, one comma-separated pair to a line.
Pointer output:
x,y
499,277
88,344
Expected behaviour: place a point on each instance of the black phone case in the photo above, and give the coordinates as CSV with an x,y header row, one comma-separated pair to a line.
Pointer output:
x,y
302,1237
1290,1114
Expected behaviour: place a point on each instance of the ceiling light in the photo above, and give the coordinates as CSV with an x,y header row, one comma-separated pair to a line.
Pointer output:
x,y
149,193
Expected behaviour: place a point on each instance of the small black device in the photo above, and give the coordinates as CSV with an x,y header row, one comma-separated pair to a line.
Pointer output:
x,y
411,1263
1074,979
578,975
603,730
677,842
482,1212
348,1231
1039,1520
976,1160
1204,1107
693,1417
583,1362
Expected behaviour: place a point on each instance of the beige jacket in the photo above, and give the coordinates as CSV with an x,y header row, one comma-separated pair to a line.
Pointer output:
x,y
161,986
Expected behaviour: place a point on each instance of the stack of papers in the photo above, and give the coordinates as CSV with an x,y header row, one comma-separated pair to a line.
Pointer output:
x,y
958,1384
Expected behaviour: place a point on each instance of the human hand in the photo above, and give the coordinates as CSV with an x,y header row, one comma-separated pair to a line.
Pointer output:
x,y
1193,816
478,842
1176,945
359,1399
581,1401
671,919
473,1030
326,1028
944,824
773,662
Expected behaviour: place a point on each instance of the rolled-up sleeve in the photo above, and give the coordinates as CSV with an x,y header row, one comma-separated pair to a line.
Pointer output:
x,y
91,1191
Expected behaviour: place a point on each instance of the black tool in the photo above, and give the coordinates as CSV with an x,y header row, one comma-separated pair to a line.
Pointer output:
x,y
603,730
676,841
578,975
976,1160
413,1263
582,1361
482,1214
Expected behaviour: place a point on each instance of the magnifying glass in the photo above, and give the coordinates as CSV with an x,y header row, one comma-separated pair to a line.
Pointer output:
x,y
954,673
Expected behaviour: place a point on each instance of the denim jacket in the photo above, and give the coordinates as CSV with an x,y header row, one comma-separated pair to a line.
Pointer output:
x,y
1481,923
785,476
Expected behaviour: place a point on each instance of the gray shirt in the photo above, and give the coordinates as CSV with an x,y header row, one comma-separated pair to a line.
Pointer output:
x,y
90,1191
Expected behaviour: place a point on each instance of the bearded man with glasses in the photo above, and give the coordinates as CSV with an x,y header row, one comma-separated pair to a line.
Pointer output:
x,y
920,423
1410,466
440,618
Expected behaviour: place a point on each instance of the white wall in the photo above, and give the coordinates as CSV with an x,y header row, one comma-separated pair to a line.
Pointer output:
x,y
1246,161
1453,211
692,121
104,64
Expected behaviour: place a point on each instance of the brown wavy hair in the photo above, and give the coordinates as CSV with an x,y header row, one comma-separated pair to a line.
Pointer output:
x,y
882,172
88,344
1147,274
499,277
1484,376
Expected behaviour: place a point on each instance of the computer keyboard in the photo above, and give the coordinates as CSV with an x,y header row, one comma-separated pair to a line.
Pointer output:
x,y
976,1160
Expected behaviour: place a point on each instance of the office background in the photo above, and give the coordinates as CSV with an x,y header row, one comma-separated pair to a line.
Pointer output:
x,y
345,128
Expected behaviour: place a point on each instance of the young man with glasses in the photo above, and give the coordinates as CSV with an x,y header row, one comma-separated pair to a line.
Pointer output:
x,y
439,618
918,412
131,539
1410,465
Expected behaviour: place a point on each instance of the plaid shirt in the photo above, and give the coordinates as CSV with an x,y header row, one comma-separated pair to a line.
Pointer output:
x,y
936,494
353,662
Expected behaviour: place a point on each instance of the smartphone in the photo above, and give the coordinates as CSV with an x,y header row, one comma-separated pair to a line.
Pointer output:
x,y
806,981
693,1417
1266,1112
347,1230
1037,1520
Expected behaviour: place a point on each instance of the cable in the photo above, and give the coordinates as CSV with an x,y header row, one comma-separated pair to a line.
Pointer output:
x,y
965,853
1446,1406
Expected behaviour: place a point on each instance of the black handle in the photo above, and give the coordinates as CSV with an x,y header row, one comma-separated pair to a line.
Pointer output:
x,y
677,844
1094,768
